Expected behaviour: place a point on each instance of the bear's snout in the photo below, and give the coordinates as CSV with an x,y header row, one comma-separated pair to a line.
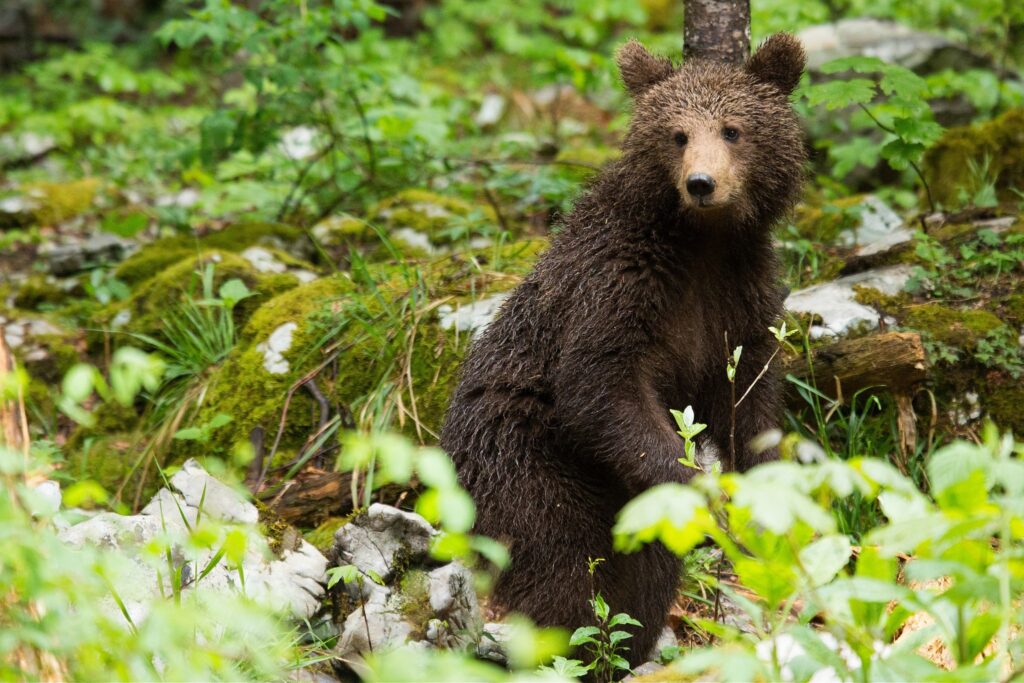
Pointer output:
x,y
700,185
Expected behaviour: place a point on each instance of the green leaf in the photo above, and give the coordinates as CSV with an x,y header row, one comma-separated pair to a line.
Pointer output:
x,y
190,434
622,618
861,150
435,469
456,509
570,668
903,81
917,130
857,64
979,633
955,463
79,382
219,420
839,94
616,637
674,514
85,491
233,291
900,153
346,573
584,634
125,225
601,608
825,558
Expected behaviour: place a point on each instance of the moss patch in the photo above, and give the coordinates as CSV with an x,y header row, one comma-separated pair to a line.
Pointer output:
x,y
152,299
395,365
1013,308
442,218
962,329
322,537
161,254
822,220
1005,405
58,202
947,165
38,291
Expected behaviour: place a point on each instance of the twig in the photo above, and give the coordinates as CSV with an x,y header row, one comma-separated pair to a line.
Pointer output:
x,y
759,376
732,408
920,176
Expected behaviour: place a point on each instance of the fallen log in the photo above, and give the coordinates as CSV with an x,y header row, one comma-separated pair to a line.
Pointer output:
x,y
314,495
894,360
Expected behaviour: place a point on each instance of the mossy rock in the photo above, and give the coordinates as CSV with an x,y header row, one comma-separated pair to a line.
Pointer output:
x,y
155,297
395,364
821,220
957,328
947,166
339,231
1004,403
150,261
322,537
154,258
1013,308
880,301
56,202
38,291
441,218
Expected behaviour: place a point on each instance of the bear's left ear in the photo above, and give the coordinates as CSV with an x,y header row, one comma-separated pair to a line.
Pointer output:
x,y
779,60
639,68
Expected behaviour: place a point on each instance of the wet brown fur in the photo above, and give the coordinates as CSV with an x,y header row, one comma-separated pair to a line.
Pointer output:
x,y
561,416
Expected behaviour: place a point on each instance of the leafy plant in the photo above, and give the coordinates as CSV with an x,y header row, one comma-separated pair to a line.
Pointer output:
x,y
903,114
604,642
200,332
688,429
776,527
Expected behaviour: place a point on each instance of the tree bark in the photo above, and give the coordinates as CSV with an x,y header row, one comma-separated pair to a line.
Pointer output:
x,y
717,30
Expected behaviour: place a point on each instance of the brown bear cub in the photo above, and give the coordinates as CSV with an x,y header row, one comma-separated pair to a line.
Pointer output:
x,y
562,413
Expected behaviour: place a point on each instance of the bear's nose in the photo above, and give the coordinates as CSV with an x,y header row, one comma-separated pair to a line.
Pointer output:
x,y
700,185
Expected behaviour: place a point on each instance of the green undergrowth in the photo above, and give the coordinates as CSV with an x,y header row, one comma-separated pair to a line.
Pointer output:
x,y
163,253
153,297
373,342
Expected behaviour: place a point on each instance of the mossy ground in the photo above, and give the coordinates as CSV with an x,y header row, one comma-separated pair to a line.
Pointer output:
x,y
153,298
996,146
154,258
56,202
395,365
960,328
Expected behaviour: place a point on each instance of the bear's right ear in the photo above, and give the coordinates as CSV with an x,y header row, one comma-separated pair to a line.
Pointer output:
x,y
779,60
639,68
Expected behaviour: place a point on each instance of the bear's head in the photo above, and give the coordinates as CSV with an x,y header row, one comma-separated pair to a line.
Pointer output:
x,y
725,137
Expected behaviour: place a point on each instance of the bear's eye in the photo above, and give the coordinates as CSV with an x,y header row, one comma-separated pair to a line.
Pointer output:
x,y
680,139
731,134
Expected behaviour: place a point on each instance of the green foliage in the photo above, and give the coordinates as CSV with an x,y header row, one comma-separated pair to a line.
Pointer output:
x,y
900,109
988,258
688,429
776,526
604,642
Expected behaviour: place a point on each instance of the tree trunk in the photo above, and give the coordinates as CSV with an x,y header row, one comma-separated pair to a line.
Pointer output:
x,y
717,30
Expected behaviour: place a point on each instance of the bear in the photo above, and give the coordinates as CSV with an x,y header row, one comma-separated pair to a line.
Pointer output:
x,y
664,264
